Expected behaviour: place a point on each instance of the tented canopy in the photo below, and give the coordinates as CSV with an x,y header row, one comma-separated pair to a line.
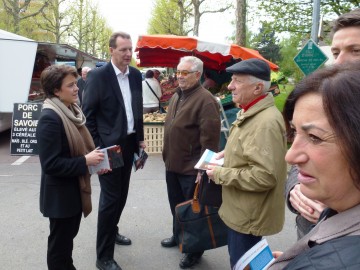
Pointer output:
x,y
166,50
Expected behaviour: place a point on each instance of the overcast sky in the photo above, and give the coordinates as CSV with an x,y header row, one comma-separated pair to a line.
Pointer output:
x,y
132,16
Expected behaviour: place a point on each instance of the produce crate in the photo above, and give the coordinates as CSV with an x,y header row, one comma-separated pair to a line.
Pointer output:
x,y
153,135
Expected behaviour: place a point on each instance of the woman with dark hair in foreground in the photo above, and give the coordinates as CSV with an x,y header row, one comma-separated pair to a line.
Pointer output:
x,y
323,120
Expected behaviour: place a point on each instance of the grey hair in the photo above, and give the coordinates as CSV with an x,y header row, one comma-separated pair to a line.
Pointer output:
x,y
266,84
196,63
85,69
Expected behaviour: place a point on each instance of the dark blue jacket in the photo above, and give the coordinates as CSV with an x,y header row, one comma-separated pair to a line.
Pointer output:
x,y
337,254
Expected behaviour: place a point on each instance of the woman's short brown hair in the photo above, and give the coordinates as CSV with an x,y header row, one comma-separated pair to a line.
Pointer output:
x,y
52,77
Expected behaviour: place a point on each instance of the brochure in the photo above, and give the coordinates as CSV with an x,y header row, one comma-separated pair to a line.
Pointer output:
x,y
259,257
112,159
140,160
208,158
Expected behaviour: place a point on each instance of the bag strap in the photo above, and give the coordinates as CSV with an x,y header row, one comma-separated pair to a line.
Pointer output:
x,y
195,205
152,91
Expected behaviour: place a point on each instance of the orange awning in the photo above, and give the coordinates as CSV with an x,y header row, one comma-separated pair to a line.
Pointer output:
x,y
166,50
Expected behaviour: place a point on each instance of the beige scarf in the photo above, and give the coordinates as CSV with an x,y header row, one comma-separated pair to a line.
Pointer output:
x,y
80,142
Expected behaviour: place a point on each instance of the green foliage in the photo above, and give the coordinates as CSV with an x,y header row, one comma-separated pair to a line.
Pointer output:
x,y
75,22
4,17
289,49
249,37
17,12
168,17
278,78
174,16
285,90
295,16
267,44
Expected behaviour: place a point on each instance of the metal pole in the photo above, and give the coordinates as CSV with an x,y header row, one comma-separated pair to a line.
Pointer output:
x,y
315,21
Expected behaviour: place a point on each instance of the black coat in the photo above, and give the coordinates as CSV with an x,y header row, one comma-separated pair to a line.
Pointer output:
x,y
59,188
104,107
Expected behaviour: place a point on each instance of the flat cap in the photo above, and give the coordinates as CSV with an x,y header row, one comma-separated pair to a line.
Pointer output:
x,y
255,67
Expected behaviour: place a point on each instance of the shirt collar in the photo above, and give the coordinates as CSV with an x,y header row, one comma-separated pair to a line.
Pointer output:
x,y
252,103
118,71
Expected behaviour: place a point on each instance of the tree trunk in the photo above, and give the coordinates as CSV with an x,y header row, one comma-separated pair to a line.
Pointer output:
x,y
240,36
196,5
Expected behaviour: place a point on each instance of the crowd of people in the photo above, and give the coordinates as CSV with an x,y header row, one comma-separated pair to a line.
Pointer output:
x,y
321,120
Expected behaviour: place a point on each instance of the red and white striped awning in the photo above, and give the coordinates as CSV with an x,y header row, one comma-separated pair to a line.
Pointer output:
x,y
166,50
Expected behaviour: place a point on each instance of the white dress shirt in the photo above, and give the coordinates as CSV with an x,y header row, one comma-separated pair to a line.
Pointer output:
x,y
123,79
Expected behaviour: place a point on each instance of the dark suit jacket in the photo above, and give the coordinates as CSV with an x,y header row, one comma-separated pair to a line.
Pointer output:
x,y
81,86
104,107
59,188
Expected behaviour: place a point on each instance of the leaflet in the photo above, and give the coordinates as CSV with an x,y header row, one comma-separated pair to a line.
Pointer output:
x,y
208,158
259,257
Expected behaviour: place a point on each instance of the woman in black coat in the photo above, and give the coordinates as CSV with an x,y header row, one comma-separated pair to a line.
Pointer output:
x,y
66,149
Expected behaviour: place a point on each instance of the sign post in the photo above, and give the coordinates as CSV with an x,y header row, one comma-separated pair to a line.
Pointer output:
x,y
23,131
310,57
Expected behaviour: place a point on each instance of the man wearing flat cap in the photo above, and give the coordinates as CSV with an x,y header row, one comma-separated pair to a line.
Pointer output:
x,y
254,171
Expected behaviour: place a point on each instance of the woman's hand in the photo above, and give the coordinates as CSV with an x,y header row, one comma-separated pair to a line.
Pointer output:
x,y
94,157
277,254
308,208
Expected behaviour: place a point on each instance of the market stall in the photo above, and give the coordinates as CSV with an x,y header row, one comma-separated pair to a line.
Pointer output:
x,y
166,51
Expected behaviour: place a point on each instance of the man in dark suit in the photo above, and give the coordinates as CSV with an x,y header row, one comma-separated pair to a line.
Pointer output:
x,y
112,104
81,82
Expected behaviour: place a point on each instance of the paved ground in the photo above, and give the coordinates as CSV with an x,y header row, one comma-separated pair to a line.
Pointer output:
x,y
146,220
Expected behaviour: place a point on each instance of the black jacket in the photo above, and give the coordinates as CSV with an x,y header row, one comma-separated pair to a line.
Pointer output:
x,y
104,108
59,187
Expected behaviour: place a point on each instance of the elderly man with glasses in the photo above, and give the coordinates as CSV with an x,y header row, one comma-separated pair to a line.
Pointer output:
x,y
192,125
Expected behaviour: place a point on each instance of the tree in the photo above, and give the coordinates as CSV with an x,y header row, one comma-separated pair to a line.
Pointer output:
x,y
83,15
240,23
79,28
4,17
198,12
17,10
295,16
55,19
169,17
98,36
173,16
267,44
289,49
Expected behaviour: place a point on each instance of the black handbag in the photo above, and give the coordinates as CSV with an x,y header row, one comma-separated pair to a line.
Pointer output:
x,y
210,193
198,227
161,109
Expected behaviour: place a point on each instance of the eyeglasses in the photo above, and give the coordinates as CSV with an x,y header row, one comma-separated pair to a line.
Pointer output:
x,y
184,72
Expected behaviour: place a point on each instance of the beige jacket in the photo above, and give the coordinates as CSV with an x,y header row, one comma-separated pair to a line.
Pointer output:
x,y
254,171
